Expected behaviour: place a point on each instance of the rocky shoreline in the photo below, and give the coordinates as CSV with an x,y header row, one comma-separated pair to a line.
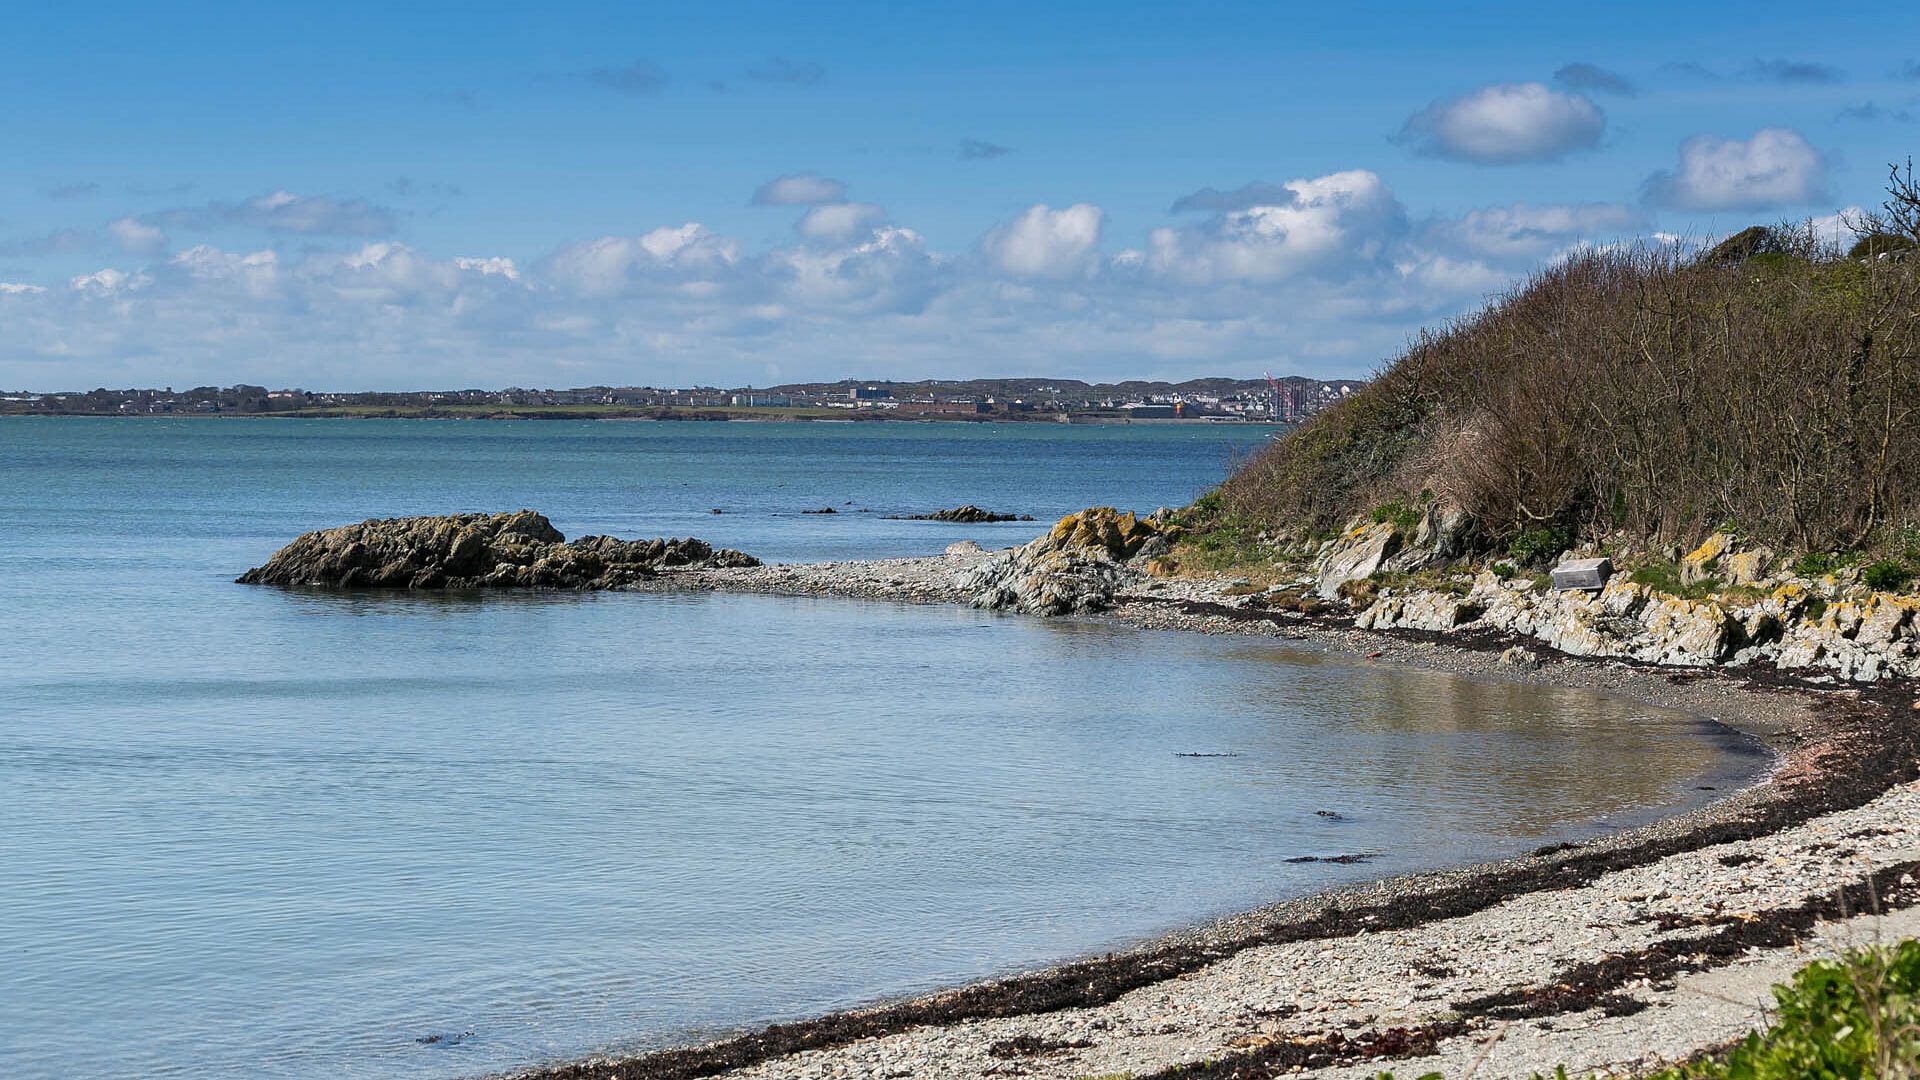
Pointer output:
x,y
1615,955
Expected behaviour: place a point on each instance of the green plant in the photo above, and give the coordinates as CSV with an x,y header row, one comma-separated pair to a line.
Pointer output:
x,y
1887,575
1503,570
1404,517
1538,545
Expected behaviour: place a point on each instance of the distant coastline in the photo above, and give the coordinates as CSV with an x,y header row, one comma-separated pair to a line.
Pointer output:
x,y
1285,400
673,414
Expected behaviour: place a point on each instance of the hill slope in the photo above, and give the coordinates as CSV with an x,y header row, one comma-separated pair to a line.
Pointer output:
x,y
1770,386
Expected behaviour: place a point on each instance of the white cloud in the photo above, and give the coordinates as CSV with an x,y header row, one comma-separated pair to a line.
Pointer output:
x,y
15,288
1836,228
611,263
137,237
1775,167
840,221
1322,274
1506,123
1044,242
891,270
1328,224
108,282
799,189
489,266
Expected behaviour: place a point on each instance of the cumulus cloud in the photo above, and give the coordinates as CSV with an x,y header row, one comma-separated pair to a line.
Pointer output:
x,y
1327,225
108,282
1044,242
1583,76
610,264
137,237
779,69
799,189
840,221
1775,167
1504,124
1792,72
638,79
1325,273
283,212
982,150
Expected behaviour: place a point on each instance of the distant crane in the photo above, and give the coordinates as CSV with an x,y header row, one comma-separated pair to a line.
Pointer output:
x,y
1273,396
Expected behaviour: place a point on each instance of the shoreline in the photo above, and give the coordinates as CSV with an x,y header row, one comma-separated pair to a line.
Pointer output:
x,y
1839,753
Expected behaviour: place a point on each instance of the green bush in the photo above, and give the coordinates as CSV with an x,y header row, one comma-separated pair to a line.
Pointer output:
x,y
1538,545
1887,575
1875,244
1504,570
1404,517
1816,563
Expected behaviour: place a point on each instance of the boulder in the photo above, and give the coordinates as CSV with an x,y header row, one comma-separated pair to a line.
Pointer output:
x,y
474,551
1357,555
1703,562
1077,567
1419,611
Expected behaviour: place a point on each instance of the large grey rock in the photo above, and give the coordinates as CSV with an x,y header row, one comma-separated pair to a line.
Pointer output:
x,y
1355,556
1077,567
472,551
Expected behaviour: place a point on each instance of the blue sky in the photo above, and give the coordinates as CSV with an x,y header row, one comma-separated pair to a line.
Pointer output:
x,y
485,194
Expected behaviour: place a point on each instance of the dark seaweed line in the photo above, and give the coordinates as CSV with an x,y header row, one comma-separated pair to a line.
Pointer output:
x,y
1596,984
1863,759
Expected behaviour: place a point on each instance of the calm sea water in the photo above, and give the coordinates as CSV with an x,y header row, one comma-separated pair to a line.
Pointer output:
x,y
254,833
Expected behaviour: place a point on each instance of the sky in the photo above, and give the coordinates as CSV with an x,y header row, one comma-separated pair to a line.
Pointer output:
x,y
376,196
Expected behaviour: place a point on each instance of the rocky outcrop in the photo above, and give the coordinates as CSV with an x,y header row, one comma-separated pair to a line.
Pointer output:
x,y
1791,628
476,551
1077,567
1358,554
963,515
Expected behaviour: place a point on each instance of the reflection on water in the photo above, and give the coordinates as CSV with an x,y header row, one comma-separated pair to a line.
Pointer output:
x,y
256,833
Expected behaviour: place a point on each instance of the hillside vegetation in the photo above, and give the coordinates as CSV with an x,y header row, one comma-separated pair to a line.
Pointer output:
x,y
1769,386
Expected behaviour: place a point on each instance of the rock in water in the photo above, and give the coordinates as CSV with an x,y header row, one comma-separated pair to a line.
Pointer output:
x,y
476,551
1077,567
967,515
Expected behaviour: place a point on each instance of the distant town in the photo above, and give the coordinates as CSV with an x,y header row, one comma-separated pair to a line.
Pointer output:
x,y
1282,400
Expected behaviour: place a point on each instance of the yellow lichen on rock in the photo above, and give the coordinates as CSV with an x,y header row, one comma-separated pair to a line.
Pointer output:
x,y
1702,562
1103,528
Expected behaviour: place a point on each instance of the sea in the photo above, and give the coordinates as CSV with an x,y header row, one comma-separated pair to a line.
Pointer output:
x,y
248,832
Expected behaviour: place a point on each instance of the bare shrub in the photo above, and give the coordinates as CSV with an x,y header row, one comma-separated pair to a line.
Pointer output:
x,y
1642,390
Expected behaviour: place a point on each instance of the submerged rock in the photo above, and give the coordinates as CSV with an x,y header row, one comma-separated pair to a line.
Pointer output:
x,y
1077,567
476,551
